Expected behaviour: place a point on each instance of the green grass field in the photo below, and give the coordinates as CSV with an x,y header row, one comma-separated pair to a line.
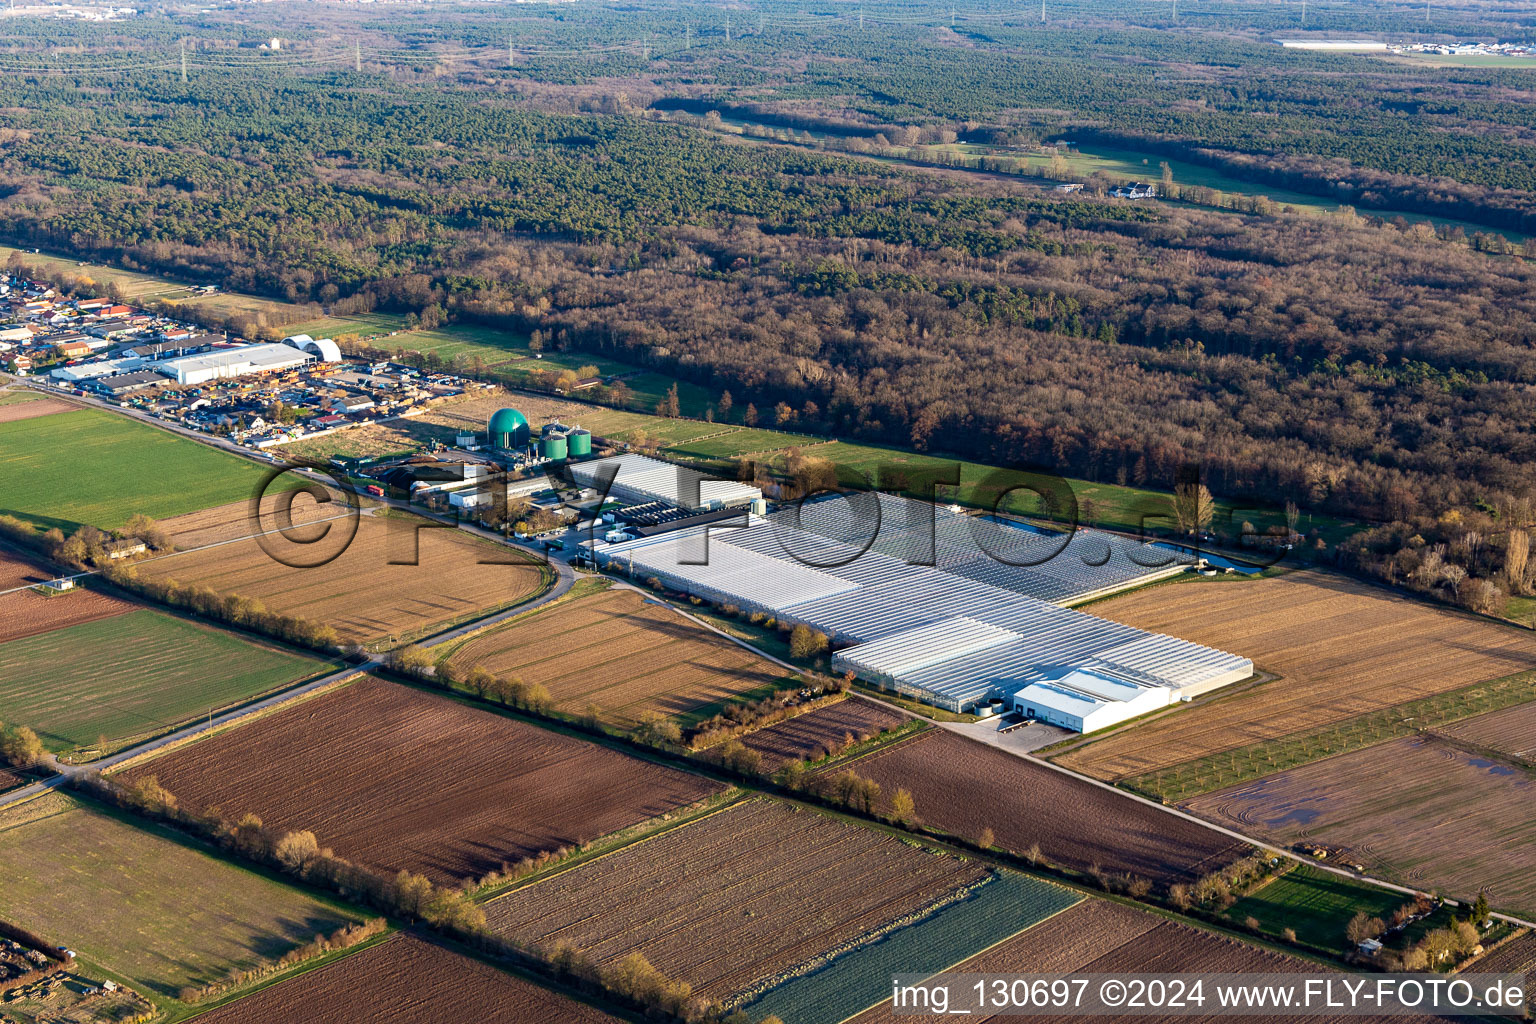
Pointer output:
x,y
1315,904
98,468
363,325
141,907
18,397
861,978
133,676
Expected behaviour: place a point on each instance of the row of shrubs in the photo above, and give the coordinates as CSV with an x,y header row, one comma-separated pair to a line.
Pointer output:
x,y
344,937
232,609
632,982
57,961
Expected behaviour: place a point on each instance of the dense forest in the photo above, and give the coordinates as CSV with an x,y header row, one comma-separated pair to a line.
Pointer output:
x,y
1371,367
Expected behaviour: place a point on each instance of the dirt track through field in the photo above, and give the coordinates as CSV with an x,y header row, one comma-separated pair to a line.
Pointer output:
x,y
393,777
1342,649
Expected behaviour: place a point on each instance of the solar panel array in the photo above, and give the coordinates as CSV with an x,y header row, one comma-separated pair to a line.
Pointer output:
x,y
974,626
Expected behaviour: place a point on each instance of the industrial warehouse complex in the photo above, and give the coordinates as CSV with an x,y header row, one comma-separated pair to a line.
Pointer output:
x,y
947,608
960,611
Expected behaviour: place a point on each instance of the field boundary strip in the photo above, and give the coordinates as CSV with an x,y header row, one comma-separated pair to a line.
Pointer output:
x,y
132,758
909,934
682,818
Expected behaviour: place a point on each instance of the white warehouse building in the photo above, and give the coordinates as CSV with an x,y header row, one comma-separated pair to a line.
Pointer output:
x,y
233,362
945,608
638,479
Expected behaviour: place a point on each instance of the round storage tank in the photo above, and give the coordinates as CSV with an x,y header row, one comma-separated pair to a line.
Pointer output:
x,y
553,448
508,429
580,443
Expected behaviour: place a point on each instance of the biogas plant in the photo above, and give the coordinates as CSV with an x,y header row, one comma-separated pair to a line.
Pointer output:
x,y
508,432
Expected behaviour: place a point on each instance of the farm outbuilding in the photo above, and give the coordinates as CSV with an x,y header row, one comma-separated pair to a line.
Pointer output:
x,y
924,607
638,479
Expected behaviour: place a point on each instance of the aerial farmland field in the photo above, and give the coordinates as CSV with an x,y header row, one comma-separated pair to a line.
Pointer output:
x,y
224,523
394,777
1511,731
134,675
147,908
860,978
1518,955
16,571
961,786
1417,811
822,731
730,902
406,980
1342,649
624,652
455,577
1098,937
93,467
26,613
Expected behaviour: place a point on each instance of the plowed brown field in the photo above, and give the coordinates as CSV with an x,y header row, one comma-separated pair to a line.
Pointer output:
x,y
735,898
962,786
1417,811
623,652
1511,731
1096,937
1343,649
1514,957
393,777
817,733
13,411
25,613
406,980
234,521
360,592
16,571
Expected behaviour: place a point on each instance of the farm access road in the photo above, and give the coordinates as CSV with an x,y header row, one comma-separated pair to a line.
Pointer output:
x,y
565,578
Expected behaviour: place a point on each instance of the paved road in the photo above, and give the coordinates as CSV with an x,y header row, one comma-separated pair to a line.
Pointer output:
x,y
565,579
67,772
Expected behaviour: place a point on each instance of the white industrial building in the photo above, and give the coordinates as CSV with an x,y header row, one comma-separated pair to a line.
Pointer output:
x,y
1335,45
950,609
638,479
323,349
101,368
233,362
